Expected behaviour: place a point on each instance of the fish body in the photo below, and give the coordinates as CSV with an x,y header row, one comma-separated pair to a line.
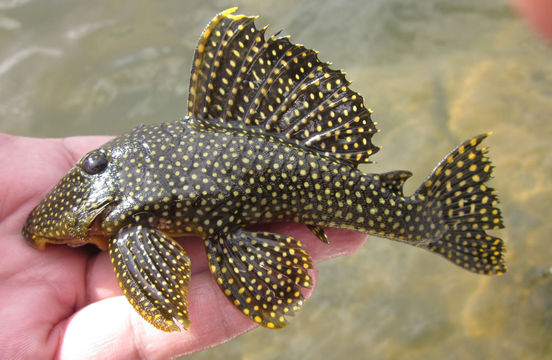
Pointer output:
x,y
272,134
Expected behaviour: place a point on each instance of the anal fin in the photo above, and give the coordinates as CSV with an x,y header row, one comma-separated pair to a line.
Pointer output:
x,y
261,273
154,273
318,231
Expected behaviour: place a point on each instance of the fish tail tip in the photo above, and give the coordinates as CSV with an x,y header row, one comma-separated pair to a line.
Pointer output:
x,y
227,13
468,208
229,10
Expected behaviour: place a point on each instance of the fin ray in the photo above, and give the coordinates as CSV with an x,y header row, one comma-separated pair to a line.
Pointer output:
x,y
154,273
318,231
466,209
277,87
261,273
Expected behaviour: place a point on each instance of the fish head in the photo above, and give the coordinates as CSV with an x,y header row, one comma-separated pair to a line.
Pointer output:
x,y
71,213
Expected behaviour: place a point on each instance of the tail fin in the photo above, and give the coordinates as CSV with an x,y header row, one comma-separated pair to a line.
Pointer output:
x,y
462,208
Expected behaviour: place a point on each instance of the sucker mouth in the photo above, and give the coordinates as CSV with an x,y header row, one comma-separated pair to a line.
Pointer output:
x,y
81,231
95,235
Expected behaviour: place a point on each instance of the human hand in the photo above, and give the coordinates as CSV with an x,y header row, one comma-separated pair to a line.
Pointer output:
x,y
539,14
65,302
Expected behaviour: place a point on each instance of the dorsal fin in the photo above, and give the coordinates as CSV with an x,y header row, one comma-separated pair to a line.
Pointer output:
x,y
278,87
394,180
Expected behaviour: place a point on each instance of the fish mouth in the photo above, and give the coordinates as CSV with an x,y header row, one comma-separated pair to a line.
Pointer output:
x,y
80,229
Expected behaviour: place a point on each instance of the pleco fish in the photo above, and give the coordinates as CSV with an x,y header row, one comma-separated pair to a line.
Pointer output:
x,y
272,134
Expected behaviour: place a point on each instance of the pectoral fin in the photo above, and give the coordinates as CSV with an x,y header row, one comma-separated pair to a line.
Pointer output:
x,y
154,273
261,273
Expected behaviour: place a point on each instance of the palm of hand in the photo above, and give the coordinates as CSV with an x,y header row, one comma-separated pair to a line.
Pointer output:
x,y
66,303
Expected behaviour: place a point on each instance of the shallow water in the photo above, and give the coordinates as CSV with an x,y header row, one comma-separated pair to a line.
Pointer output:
x,y
435,72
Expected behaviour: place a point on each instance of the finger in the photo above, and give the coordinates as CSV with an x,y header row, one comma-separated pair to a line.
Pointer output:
x,y
77,146
96,330
29,171
214,318
539,15
342,242
34,166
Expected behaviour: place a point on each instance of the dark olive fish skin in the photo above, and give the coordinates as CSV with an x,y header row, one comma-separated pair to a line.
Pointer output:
x,y
272,134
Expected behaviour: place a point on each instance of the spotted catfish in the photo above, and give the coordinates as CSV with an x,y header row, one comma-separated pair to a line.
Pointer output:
x,y
272,134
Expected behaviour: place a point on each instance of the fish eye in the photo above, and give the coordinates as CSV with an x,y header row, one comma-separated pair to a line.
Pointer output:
x,y
94,163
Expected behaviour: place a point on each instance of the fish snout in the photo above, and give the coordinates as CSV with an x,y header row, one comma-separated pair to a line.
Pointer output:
x,y
44,224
